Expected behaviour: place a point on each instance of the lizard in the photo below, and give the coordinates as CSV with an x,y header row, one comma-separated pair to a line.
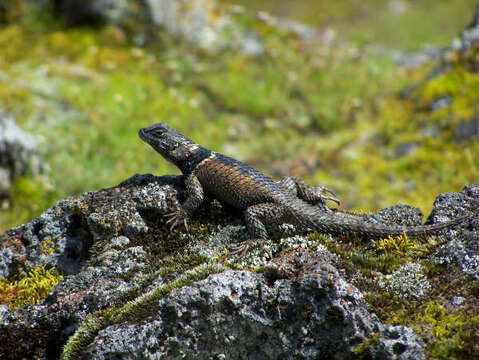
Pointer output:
x,y
263,200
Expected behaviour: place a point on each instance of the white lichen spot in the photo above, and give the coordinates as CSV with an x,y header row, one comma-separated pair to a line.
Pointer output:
x,y
407,282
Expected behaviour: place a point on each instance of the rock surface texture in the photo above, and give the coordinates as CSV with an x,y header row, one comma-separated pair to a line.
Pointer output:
x,y
133,289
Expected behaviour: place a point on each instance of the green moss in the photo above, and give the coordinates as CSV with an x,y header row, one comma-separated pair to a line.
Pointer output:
x,y
47,246
399,245
85,334
449,334
30,288
362,350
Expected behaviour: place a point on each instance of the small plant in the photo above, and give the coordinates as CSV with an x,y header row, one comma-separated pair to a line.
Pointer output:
x,y
30,289
399,245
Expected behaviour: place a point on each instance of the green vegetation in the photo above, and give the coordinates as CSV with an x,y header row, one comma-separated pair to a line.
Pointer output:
x,y
450,334
29,288
421,301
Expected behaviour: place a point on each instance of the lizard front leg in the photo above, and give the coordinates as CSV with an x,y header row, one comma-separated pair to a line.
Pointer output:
x,y
194,199
256,217
310,194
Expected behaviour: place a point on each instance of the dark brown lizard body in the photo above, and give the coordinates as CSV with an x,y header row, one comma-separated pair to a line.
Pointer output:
x,y
263,200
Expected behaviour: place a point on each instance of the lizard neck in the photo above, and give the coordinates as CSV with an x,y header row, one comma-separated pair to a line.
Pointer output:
x,y
188,165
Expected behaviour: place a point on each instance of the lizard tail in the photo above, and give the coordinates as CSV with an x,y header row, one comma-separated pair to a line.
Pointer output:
x,y
331,223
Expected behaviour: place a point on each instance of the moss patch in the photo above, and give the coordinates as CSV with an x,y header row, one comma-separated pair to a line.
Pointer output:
x,y
29,288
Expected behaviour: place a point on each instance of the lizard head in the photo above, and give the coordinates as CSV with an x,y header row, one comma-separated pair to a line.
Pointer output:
x,y
171,144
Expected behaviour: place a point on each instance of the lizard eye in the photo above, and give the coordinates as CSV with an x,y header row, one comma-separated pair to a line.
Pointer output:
x,y
158,132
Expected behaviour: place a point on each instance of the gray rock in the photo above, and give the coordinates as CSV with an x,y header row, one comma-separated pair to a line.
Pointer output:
x,y
404,149
202,23
441,103
467,130
413,60
453,252
307,312
469,36
93,11
397,215
5,180
398,342
132,288
18,153
462,248
62,236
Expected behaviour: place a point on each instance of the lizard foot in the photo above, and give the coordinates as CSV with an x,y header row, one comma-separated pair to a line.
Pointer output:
x,y
243,247
320,190
176,217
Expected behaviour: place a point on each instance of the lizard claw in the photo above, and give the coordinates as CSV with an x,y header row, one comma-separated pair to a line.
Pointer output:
x,y
177,217
243,247
324,189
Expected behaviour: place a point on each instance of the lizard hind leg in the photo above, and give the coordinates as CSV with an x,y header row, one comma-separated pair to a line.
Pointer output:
x,y
256,217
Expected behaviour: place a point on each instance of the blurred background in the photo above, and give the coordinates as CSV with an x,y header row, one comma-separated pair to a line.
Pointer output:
x,y
403,24
377,100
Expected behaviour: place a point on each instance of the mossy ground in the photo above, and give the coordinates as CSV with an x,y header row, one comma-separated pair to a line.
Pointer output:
x,y
450,331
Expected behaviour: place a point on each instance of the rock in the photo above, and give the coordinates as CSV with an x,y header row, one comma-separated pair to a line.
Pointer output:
x,y
462,248
469,36
398,342
404,149
133,288
62,236
458,300
467,130
308,312
18,153
93,11
398,214
413,60
441,103
203,23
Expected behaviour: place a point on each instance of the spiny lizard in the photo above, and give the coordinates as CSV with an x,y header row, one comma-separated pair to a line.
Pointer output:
x,y
263,200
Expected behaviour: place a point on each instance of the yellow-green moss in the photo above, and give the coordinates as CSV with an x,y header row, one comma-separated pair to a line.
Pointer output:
x,y
400,245
448,334
47,246
30,288
361,351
